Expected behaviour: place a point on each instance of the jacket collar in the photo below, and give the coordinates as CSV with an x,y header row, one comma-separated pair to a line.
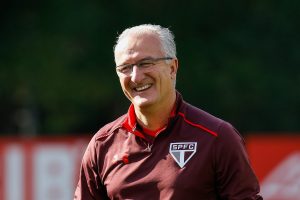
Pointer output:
x,y
131,125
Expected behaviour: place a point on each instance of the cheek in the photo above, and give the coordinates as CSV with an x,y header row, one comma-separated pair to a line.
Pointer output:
x,y
124,83
166,77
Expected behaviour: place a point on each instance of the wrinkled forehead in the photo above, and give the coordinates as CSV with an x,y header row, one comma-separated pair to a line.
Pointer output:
x,y
138,46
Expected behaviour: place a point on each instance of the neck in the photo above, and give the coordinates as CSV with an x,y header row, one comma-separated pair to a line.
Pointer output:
x,y
156,116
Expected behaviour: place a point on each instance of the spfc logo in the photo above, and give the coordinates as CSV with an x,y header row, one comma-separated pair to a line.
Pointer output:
x,y
182,152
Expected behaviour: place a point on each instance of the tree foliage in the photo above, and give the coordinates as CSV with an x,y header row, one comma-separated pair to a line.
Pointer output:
x,y
238,60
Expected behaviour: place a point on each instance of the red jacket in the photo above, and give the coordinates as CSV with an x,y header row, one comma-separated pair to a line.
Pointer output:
x,y
197,156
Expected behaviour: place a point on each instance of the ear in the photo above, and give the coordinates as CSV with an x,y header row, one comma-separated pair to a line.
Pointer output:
x,y
174,67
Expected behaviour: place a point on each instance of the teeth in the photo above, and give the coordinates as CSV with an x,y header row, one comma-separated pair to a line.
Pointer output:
x,y
142,87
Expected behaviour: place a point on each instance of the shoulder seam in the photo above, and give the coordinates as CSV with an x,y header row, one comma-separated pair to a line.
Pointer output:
x,y
198,125
109,128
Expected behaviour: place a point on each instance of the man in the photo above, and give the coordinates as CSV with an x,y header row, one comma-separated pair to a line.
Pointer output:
x,y
163,148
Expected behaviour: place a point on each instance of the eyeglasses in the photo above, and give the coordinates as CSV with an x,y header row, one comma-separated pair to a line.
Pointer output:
x,y
143,64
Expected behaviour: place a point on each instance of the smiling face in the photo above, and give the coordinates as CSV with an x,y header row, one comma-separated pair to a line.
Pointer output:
x,y
154,87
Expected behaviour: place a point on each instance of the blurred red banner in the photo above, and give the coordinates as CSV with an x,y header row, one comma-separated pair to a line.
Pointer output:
x,y
40,169
48,168
276,161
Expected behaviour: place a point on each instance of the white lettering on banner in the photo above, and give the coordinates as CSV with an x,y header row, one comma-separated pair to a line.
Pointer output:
x,y
284,181
14,173
53,172
40,170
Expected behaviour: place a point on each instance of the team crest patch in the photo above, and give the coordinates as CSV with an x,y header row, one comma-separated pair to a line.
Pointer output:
x,y
182,152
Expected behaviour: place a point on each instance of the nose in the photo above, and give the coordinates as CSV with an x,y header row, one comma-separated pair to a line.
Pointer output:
x,y
137,74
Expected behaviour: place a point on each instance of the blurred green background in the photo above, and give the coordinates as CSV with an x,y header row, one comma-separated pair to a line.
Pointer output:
x,y
239,60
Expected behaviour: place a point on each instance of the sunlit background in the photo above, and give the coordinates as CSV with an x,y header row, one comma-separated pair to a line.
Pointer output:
x,y
238,60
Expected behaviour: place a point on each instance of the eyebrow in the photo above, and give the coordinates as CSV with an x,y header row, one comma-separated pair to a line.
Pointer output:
x,y
146,58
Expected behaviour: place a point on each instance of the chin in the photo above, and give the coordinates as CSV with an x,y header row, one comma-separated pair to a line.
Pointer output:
x,y
142,102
